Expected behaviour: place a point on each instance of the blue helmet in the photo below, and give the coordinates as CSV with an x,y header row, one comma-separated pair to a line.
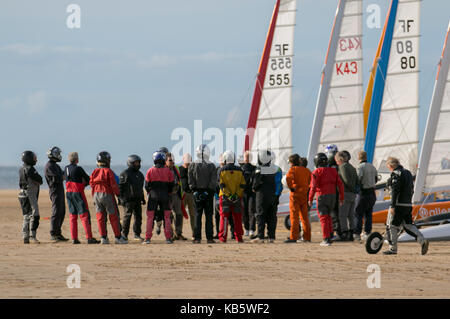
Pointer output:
x,y
159,157
331,150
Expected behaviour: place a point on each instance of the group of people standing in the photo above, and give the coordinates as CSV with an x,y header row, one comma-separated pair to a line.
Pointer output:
x,y
242,196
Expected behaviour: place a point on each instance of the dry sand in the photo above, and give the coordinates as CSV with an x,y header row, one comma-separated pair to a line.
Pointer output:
x,y
184,270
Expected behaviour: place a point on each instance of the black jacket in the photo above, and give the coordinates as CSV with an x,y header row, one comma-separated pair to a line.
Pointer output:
x,y
249,172
402,186
184,179
76,174
131,185
28,172
54,176
264,183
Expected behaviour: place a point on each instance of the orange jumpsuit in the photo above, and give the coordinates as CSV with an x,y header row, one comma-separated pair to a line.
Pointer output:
x,y
298,179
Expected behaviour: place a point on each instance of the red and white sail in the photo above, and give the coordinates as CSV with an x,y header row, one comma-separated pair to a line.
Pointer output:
x,y
434,165
270,121
339,111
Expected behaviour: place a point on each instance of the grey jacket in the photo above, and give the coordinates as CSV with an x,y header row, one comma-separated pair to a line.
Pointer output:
x,y
367,175
349,177
202,176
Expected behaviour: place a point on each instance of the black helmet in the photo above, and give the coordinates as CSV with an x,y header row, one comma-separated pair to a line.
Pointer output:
x,y
29,158
320,160
132,159
163,149
54,154
104,158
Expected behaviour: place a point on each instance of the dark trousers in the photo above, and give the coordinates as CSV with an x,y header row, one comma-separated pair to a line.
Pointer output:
x,y
205,206
58,210
248,217
266,214
133,208
364,207
335,216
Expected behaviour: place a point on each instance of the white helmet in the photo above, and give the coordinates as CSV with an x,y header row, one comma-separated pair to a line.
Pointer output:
x,y
203,152
264,157
228,157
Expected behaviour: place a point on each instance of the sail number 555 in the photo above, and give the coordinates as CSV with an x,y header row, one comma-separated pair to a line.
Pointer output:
x,y
279,79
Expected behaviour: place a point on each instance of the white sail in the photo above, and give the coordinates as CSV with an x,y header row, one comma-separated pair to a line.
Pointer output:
x,y
339,113
434,165
397,128
270,122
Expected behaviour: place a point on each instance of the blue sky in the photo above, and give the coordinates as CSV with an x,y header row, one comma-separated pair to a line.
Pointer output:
x,y
138,69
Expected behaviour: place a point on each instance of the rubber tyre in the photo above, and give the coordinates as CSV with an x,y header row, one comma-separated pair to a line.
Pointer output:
x,y
374,243
287,222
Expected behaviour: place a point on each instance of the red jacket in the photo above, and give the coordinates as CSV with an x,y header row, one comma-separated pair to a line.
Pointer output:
x,y
324,180
103,181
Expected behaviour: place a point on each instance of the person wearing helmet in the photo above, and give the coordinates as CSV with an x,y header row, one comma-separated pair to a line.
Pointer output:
x,y
159,213
231,182
104,189
278,190
54,176
249,197
202,178
217,206
29,183
188,198
324,182
76,180
159,184
265,187
330,151
298,179
131,187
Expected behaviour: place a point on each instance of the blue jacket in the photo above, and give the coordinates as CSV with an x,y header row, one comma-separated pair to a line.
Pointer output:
x,y
278,183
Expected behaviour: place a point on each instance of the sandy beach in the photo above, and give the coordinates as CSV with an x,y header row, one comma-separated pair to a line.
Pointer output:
x,y
231,270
